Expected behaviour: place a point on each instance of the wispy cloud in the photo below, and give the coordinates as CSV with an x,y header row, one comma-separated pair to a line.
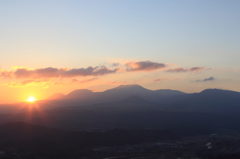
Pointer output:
x,y
118,83
209,79
115,64
164,79
27,83
51,72
205,80
144,66
83,81
191,69
161,79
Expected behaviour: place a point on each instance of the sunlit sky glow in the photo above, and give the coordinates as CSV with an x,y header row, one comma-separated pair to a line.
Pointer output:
x,y
31,99
57,46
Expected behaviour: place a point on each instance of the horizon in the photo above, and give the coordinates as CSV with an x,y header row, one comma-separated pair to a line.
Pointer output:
x,y
32,98
50,47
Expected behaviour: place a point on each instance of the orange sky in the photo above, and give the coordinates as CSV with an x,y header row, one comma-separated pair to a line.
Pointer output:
x,y
49,47
19,83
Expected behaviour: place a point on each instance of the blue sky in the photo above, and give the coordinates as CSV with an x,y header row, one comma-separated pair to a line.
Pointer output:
x,y
79,34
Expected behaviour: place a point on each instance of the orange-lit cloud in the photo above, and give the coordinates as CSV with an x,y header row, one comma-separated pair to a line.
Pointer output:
x,y
161,79
28,83
36,76
50,72
191,69
118,83
144,66
83,81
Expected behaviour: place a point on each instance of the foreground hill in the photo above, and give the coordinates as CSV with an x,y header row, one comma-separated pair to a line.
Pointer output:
x,y
127,115
22,140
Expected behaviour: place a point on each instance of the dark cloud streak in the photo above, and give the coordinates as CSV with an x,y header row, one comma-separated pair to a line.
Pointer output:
x,y
50,72
191,69
144,66
205,80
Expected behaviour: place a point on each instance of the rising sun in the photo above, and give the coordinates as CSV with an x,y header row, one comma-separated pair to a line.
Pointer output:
x,y
31,99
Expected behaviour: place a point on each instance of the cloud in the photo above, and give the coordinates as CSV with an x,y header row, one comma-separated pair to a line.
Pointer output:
x,y
161,79
118,83
191,69
144,66
115,64
164,79
50,72
57,83
74,81
28,83
90,71
83,81
209,79
6,74
88,80
205,80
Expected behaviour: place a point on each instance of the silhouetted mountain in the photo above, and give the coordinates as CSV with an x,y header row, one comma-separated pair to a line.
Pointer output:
x,y
169,92
80,94
210,100
134,88
56,96
125,91
131,103
121,108
135,99
122,92
84,96
223,102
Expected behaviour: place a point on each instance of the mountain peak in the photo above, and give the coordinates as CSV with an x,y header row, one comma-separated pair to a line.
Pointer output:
x,y
129,86
80,93
56,96
213,90
222,92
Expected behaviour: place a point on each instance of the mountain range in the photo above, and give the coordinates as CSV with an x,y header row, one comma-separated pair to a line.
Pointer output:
x,y
130,106
116,94
135,96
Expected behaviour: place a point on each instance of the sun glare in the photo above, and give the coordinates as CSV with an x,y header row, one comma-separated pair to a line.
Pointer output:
x,y
31,99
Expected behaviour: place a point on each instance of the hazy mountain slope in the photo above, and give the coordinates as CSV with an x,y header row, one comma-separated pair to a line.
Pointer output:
x,y
85,96
165,93
124,91
131,103
210,100
56,96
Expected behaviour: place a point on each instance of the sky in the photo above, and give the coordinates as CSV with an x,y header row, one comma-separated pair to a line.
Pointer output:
x,y
57,46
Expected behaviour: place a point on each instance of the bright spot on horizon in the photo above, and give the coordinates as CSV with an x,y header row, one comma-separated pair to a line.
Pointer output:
x,y
31,99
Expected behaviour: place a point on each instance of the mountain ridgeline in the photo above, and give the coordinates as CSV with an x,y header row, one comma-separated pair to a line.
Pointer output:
x,y
132,107
66,126
116,94
218,101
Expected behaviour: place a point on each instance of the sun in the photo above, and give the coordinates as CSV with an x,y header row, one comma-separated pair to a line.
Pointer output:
x,y
31,99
